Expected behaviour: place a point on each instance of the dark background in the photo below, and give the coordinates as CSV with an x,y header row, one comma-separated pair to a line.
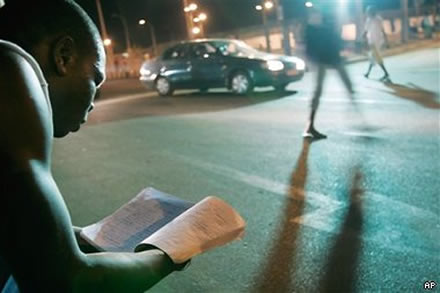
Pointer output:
x,y
167,16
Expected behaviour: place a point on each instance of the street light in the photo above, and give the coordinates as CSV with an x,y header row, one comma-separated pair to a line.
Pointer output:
x,y
268,5
196,30
309,4
107,42
143,22
126,32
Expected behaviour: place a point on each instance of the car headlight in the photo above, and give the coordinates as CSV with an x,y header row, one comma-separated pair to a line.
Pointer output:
x,y
274,65
300,64
144,71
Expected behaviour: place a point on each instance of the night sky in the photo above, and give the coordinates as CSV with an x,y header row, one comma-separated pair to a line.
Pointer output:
x,y
167,16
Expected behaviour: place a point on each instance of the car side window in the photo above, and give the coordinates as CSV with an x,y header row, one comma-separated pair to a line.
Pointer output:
x,y
202,50
177,52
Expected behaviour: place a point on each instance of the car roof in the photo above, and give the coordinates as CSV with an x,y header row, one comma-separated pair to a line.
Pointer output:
x,y
209,40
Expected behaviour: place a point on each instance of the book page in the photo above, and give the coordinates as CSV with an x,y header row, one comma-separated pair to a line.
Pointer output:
x,y
208,224
134,221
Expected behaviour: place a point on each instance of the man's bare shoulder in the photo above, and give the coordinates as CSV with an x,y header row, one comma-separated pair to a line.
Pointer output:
x,y
25,128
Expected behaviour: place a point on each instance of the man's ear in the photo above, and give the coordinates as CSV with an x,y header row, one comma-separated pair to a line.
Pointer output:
x,y
64,54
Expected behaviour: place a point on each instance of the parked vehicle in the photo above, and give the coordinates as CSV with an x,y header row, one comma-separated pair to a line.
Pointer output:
x,y
215,63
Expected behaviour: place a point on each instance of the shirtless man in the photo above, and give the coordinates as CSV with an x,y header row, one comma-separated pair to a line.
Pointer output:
x,y
52,65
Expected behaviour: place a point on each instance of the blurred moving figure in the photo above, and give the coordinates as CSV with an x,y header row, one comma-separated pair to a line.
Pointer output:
x,y
375,37
323,45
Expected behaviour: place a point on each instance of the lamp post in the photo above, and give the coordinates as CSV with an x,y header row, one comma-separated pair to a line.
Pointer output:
x,y
268,5
405,24
107,42
126,32
152,34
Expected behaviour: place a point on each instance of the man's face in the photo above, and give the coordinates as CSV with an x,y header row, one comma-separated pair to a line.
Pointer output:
x,y
76,93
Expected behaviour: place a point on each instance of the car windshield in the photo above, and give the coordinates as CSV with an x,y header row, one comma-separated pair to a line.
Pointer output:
x,y
235,49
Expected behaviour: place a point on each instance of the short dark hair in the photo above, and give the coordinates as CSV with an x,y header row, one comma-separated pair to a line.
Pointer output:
x,y
28,23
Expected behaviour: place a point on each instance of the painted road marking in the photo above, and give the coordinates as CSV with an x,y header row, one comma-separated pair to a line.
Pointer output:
x,y
322,216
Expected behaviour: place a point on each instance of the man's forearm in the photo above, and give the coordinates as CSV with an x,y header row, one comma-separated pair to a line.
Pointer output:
x,y
122,272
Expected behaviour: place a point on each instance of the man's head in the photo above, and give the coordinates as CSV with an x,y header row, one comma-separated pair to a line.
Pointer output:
x,y
67,45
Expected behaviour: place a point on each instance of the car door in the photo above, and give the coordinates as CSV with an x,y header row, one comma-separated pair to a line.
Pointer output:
x,y
176,66
208,66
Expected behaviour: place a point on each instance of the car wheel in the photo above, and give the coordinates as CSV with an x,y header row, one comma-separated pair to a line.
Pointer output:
x,y
203,89
164,87
241,83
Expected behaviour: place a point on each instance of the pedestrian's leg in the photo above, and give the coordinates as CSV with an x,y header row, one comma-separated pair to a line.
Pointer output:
x,y
370,66
345,78
379,61
310,131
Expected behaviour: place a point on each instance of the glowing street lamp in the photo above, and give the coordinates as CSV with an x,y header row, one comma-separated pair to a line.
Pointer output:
x,y
259,7
309,4
268,5
203,16
143,22
107,42
196,30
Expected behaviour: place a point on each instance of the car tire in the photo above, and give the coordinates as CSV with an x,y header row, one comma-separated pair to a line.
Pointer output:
x,y
241,83
163,86
203,90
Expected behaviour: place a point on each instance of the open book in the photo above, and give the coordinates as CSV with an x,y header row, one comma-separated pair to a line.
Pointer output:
x,y
179,228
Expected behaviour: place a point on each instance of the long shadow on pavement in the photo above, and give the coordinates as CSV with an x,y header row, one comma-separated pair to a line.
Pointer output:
x,y
277,273
414,93
184,103
341,267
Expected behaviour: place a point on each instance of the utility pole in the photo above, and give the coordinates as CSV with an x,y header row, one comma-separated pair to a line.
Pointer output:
x,y
359,20
283,26
405,23
104,35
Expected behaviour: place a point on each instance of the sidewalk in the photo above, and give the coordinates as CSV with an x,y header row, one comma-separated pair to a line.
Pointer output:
x,y
395,50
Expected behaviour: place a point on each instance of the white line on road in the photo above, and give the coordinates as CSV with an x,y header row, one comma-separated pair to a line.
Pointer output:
x,y
322,217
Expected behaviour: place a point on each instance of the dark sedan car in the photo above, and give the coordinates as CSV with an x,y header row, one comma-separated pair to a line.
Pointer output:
x,y
215,63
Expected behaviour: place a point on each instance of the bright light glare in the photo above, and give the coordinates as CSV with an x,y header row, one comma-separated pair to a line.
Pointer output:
x,y
142,21
192,7
107,42
203,16
275,65
145,71
268,5
300,64
196,19
196,30
309,4
259,7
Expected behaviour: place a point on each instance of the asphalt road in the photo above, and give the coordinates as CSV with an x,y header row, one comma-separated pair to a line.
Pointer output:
x,y
358,211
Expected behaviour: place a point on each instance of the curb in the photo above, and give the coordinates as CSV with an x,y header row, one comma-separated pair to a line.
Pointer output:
x,y
412,46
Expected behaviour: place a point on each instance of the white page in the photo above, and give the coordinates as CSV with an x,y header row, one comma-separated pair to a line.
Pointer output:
x,y
208,224
135,221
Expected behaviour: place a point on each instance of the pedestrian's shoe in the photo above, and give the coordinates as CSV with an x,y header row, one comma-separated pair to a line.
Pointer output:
x,y
386,77
313,134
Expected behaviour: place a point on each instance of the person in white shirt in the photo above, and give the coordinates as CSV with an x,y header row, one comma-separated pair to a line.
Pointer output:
x,y
376,38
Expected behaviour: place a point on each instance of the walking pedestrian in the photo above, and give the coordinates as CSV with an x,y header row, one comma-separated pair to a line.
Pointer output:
x,y
375,37
323,46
